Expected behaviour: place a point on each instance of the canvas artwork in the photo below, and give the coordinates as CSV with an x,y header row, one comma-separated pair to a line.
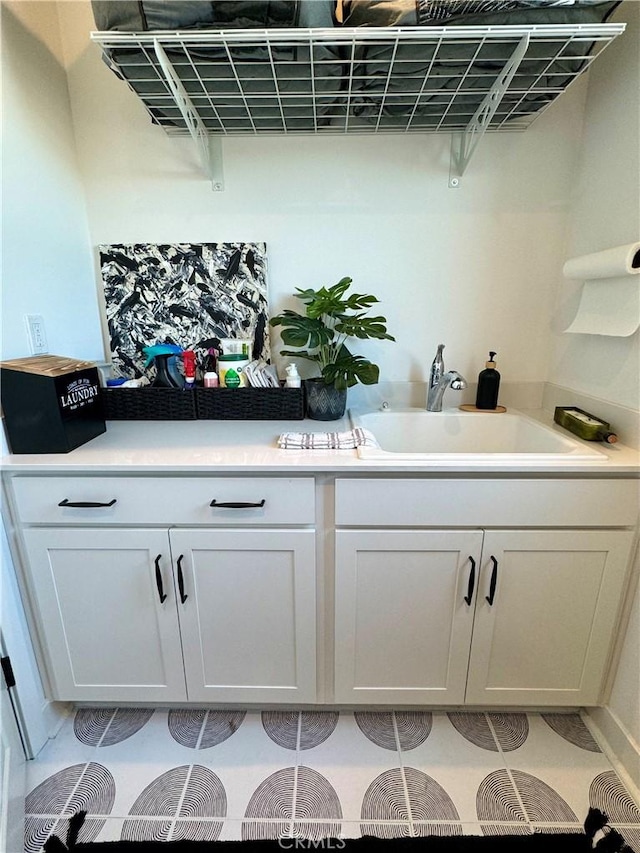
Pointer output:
x,y
189,294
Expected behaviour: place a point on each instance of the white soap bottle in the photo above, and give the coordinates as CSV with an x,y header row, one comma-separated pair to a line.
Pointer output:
x,y
293,377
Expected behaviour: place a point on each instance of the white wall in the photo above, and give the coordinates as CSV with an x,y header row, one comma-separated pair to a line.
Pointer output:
x,y
605,212
476,267
473,267
47,265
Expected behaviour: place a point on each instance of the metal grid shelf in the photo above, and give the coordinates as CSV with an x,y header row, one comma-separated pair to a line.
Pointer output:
x,y
210,83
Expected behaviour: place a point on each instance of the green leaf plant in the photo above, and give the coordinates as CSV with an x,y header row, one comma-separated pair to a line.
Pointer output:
x,y
330,319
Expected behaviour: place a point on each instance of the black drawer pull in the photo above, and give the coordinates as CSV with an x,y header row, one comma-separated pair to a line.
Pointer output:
x,y
236,504
183,597
492,584
161,593
85,504
472,582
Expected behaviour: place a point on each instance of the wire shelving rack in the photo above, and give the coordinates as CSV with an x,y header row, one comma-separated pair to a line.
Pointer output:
x,y
465,81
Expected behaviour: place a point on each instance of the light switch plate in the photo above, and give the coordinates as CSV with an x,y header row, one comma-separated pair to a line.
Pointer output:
x,y
36,333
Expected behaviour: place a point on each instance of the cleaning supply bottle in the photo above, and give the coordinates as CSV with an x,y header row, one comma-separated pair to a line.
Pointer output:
x,y
189,365
231,370
210,376
164,358
488,385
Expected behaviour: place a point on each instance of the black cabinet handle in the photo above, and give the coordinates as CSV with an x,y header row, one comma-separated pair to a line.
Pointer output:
x,y
161,593
492,584
85,504
183,597
472,581
236,504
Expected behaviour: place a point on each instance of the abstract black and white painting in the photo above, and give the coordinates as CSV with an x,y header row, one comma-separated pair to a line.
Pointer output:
x,y
189,294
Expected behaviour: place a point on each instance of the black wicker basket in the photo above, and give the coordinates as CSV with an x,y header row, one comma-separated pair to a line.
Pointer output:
x,y
148,404
253,404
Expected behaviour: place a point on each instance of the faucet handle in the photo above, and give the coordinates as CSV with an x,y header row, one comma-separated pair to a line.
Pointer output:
x,y
458,382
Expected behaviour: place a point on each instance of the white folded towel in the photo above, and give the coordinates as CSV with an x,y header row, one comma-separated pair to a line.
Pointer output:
x,y
347,440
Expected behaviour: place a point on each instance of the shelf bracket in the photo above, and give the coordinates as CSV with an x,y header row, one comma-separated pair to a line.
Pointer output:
x,y
209,148
463,145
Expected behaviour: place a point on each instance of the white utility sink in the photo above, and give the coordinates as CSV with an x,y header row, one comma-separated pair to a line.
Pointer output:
x,y
415,434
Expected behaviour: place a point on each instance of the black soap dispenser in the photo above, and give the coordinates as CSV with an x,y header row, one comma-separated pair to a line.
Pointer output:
x,y
488,385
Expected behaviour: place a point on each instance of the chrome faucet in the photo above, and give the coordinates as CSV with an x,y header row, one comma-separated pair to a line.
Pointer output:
x,y
439,381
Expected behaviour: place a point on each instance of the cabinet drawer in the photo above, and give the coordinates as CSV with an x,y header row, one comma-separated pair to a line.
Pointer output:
x,y
165,500
486,503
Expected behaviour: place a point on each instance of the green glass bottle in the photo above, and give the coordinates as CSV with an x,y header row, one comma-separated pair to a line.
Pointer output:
x,y
583,424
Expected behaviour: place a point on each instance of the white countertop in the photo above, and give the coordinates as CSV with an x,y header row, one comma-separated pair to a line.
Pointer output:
x,y
206,446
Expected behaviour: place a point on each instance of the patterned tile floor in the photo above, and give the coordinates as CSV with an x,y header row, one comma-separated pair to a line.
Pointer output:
x,y
169,774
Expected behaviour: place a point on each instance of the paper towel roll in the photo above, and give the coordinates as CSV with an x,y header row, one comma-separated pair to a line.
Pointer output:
x,y
608,307
610,299
611,263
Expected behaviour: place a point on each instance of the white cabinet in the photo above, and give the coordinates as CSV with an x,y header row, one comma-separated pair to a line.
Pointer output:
x,y
121,621
439,591
246,600
404,615
532,625
416,622
106,634
153,613
547,605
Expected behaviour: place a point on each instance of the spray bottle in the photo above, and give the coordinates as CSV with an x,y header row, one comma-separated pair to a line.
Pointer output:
x,y
164,358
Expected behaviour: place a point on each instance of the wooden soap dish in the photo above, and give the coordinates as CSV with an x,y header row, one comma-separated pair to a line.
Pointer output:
x,y
497,411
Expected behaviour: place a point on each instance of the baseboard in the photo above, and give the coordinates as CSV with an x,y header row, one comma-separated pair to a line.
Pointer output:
x,y
618,745
53,715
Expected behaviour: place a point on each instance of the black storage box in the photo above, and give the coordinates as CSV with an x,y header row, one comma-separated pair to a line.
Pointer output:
x,y
148,404
252,404
51,404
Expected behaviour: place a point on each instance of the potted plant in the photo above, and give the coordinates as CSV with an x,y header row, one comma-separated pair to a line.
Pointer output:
x,y
332,317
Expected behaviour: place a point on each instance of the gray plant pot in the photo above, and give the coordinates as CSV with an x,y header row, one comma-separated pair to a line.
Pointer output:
x,y
324,402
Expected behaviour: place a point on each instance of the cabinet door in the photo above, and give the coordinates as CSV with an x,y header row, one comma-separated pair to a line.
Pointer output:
x,y
247,614
544,635
106,635
404,606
